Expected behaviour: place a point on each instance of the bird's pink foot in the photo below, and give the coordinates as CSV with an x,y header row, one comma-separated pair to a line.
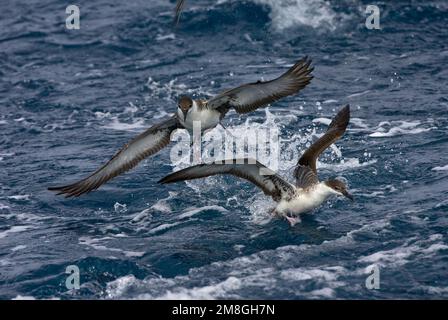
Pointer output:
x,y
293,220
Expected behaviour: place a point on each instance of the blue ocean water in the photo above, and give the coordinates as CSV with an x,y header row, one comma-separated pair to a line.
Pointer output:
x,y
69,99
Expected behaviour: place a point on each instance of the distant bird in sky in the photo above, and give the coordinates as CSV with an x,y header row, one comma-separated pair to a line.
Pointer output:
x,y
292,199
208,113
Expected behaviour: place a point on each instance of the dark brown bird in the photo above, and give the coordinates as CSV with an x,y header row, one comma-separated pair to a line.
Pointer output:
x,y
292,200
208,113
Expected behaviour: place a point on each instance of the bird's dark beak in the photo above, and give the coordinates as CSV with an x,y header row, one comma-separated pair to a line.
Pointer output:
x,y
185,114
348,195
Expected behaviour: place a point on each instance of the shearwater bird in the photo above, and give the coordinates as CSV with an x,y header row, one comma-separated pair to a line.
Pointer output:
x,y
292,199
179,7
208,113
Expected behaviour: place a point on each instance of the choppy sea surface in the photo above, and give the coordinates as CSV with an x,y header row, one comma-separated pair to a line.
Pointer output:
x,y
69,99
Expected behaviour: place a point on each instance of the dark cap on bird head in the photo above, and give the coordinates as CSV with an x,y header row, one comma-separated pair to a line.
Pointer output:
x,y
339,187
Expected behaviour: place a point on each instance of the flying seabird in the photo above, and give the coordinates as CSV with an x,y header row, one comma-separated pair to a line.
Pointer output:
x,y
179,7
292,199
208,113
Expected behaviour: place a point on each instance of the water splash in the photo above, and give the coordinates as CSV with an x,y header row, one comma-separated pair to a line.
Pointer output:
x,y
289,13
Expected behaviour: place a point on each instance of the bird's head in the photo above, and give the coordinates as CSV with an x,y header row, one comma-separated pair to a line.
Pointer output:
x,y
338,187
185,103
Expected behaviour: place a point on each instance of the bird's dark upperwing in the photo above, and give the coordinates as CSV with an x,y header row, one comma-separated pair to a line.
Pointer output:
x,y
305,177
334,132
142,146
248,169
251,96
179,6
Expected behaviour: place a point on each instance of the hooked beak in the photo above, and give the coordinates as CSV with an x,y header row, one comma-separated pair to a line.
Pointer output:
x,y
348,195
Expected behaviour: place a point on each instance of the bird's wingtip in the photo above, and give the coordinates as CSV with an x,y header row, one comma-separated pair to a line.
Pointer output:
x,y
164,180
344,109
347,109
62,191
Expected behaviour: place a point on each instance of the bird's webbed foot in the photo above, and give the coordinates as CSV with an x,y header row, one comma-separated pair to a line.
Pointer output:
x,y
293,220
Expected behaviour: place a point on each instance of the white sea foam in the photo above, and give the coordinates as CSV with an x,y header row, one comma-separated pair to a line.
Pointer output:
x,y
14,229
358,122
330,101
5,262
169,90
3,206
102,115
345,164
19,247
24,217
201,293
161,205
234,276
21,197
326,274
260,208
120,208
325,121
239,247
400,255
94,243
116,124
385,190
438,291
358,94
194,211
271,268
143,215
3,155
169,36
20,297
118,287
394,128
324,293
189,213
164,227
444,168
289,13
252,271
